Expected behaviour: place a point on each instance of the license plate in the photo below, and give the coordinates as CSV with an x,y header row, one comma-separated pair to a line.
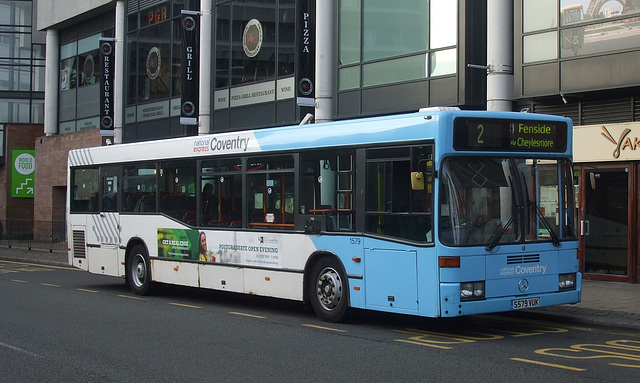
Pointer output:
x,y
518,304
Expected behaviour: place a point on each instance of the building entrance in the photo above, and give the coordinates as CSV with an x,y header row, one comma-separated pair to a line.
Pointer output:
x,y
604,216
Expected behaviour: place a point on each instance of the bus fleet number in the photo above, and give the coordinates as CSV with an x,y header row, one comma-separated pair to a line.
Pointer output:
x,y
354,241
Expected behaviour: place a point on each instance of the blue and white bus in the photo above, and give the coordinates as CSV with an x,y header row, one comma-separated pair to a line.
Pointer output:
x,y
439,213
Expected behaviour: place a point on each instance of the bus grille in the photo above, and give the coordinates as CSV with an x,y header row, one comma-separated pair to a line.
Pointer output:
x,y
528,258
78,244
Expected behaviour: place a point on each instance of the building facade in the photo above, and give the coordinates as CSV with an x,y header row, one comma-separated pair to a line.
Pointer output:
x,y
22,70
260,64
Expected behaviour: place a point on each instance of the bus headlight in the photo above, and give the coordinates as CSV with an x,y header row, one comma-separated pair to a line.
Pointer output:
x,y
567,281
471,291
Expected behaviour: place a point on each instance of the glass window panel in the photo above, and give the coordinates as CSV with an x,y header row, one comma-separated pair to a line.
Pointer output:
x,y
286,37
394,28
253,41
37,111
176,59
89,68
68,76
154,63
14,111
89,44
444,23
15,78
539,14
349,78
442,62
132,46
349,31
540,47
85,184
223,46
15,45
386,72
599,38
15,13
68,50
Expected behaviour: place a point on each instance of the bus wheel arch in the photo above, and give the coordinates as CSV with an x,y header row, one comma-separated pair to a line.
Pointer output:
x,y
326,287
138,267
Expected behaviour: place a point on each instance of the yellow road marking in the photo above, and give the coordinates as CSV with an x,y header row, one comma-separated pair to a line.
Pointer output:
x,y
131,297
42,265
185,305
423,344
18,280
549,364
323,328
49,284
88,291
247,315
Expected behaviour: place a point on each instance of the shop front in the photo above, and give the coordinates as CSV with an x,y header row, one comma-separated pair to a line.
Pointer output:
x,y
607,169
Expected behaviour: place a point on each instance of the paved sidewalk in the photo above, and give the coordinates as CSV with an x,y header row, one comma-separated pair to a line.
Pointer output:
x,y
611,304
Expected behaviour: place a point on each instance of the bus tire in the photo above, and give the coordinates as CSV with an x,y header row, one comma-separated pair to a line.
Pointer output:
x,y
328,290
139,271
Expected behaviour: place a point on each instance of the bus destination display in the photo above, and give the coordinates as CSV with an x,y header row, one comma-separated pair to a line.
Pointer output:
x,y
509,135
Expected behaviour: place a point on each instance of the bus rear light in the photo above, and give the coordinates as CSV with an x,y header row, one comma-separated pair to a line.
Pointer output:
x,y
471,291
449,262
567,281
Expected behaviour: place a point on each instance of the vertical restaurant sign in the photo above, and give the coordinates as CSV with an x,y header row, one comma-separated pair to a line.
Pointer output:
x,y
107,56
190,68
24,167
306,51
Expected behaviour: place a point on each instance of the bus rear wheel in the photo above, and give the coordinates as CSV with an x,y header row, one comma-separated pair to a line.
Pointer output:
x,y
139,271
328,290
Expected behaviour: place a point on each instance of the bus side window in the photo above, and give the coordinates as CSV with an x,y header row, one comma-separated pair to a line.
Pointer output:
x,y
85,190
326,187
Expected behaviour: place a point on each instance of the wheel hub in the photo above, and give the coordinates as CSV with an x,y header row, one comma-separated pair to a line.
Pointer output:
x,y
329,289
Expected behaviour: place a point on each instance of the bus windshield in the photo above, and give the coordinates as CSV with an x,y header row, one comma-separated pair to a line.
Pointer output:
x,y
492,201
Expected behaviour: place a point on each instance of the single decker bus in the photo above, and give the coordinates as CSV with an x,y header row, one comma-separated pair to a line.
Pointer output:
x,y
439,213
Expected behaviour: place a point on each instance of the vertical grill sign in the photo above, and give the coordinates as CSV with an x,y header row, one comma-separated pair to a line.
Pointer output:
x,y
190,72
107,54
306,48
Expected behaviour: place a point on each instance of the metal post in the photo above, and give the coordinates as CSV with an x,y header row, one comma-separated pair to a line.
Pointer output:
x,y
499,55
204,106
325,62
118,74
51,87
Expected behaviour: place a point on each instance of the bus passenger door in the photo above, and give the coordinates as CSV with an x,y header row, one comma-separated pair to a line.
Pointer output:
x,y
391,280
103,227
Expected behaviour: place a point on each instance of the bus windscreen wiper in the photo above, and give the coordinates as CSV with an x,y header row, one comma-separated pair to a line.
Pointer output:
x,y
552,233
495,238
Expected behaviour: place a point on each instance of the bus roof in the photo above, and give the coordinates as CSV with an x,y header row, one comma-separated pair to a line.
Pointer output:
x,y
410,127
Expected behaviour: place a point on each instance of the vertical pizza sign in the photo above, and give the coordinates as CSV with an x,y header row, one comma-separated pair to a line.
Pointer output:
x,y
106,89
306,51
190,68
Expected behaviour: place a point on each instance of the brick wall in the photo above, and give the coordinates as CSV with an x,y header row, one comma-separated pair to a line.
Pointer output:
x,y
51,171
18,137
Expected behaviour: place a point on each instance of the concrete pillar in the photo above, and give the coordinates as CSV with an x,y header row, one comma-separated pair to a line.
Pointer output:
x,y
51,82
206,43
325,59
499,55
119,74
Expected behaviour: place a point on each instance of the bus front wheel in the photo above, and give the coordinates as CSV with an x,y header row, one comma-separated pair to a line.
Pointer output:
x,y
139,271
328,290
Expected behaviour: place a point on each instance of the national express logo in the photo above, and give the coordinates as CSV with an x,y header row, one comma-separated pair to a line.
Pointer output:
x,y
238,144
623,142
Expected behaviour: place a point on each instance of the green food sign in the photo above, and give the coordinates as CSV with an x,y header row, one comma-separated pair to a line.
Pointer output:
x,y
22,177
